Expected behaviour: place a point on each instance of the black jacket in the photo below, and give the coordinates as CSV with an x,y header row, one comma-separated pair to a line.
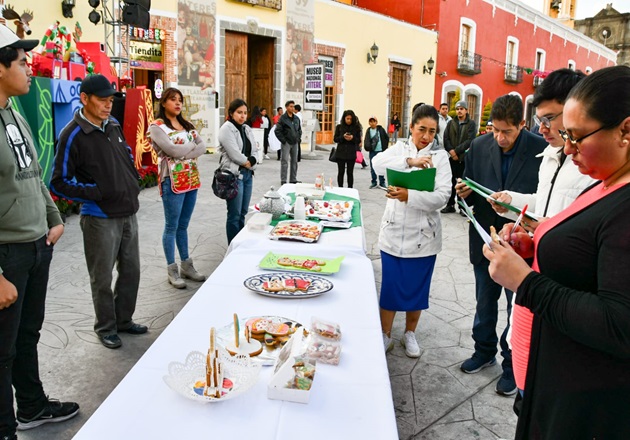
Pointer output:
x,y
483,165
347,150
459,136
289,130
96,167
367,144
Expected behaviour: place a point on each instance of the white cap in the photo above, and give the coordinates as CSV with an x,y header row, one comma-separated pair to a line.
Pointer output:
x,y
9,39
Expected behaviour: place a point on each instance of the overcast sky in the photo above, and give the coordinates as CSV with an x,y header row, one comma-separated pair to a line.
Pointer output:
x,y
588,8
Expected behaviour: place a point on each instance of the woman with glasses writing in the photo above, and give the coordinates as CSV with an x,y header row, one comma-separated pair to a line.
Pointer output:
x,y
577,384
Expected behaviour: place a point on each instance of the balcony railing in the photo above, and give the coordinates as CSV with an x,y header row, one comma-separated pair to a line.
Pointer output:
x,y
468,63
538,81
513,74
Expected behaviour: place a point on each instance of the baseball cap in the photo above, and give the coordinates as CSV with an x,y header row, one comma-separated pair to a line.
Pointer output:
x,y
462,104
98,85
9,39
373,117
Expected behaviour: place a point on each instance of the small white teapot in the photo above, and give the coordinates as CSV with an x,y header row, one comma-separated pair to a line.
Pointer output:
x,y
272,203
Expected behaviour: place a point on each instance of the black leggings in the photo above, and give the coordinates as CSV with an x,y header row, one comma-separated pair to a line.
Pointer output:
x,y
341,165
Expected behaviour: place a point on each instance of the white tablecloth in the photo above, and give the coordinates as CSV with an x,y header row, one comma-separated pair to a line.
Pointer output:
x,y
350,401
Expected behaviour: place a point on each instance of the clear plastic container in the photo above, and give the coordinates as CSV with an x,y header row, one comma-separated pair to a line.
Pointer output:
x,y
259,221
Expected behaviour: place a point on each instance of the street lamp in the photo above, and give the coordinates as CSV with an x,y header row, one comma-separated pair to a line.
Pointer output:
x,y
428,67
372,54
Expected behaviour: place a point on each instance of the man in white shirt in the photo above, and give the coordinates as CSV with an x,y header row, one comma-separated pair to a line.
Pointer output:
x,y
444,119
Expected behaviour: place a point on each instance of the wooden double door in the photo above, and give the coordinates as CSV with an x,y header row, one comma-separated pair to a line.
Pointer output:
x,y
249,70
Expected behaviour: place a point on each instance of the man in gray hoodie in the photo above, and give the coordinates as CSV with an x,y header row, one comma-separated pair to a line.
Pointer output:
x,y
30,225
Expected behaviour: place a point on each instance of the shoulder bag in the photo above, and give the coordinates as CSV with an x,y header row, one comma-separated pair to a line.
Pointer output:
x,y
225,184
333,154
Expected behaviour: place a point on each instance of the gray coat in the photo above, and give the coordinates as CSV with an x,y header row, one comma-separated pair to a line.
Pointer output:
x,y
231,147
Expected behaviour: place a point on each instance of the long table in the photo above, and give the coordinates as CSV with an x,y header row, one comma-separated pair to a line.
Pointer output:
x,y
351,400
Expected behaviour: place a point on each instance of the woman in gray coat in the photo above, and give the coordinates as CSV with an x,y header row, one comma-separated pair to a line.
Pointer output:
x,y
238,150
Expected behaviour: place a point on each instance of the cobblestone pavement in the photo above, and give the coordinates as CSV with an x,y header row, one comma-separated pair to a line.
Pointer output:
x,y
433,399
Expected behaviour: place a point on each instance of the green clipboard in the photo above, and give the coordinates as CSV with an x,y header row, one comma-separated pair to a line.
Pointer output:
x,y
486,192
420,180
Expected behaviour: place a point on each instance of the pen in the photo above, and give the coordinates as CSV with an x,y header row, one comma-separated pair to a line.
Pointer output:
x,y
518,220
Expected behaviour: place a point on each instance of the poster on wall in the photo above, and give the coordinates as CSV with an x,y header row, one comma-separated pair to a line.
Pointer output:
x,y
196,45
300,46
329,74
199,108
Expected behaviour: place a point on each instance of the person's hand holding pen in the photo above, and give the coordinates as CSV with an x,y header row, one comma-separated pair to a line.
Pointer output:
x,y
519,239
462,189
501,197
398,193
420,162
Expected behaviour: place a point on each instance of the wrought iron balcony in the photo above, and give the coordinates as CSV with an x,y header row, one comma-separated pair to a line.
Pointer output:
x,y
468,63
513,74
538,81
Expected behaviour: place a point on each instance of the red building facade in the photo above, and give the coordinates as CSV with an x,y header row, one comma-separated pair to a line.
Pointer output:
x,y
487,49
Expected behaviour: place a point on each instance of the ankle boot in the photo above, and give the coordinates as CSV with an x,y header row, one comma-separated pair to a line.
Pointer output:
x,y
173,277
189,271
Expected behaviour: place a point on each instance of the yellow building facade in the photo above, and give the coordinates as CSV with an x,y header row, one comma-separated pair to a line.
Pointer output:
x,y
218,50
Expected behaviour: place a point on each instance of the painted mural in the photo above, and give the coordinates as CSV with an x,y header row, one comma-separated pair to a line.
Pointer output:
x,y
300,47
196,45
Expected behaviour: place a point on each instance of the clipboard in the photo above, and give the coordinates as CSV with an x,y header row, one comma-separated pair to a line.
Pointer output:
x,y
419,180
486,192
481,231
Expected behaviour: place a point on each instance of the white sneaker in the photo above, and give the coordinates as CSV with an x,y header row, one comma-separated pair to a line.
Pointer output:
x,y
267,157
388,343
412,349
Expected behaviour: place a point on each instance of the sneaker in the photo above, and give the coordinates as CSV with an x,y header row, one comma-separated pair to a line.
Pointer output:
x,y
475,364
54,412
412,349
506,386
383,187
267,157
448,210
372,186
388,343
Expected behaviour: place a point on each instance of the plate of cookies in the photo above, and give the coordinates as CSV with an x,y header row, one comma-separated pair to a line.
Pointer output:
x,y
298,230
260,337
300,263
288,285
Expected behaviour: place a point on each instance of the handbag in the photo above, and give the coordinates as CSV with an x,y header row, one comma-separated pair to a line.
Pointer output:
x,y
333,154
391,128
372,143
359,158
224,184
184,175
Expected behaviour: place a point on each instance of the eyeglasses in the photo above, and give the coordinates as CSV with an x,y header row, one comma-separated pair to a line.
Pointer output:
x,y
567,137
545,121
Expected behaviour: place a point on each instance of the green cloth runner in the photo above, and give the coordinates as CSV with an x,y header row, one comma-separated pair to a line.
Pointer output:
x,y
356,211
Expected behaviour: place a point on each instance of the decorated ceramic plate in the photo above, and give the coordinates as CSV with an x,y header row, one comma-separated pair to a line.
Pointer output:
x,y
300,230
300,263
188,378
283,327
288,285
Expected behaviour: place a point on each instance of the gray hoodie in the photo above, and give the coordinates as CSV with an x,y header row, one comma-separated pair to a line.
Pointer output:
x,y
26,209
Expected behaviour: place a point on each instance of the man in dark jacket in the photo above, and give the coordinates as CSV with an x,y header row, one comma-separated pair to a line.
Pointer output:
x,y
30,226
506,161
459,134
376,141
289,133
93,165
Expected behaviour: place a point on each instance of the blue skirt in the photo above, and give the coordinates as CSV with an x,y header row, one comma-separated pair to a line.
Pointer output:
x,y
406,282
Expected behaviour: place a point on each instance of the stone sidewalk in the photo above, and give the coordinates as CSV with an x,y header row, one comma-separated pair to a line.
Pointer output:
x,y
433,399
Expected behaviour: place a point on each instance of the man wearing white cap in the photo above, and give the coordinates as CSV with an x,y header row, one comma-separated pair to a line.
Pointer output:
x,y
459,134
30,225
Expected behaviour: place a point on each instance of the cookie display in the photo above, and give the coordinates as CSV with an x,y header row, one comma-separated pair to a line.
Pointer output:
x,y
301,263
288,285
300,230
329,210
